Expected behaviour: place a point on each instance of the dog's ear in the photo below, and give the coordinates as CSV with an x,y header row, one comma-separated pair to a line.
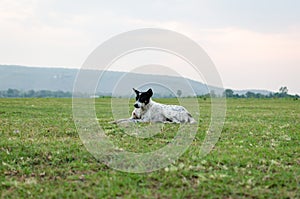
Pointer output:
x,y
150,92
136,91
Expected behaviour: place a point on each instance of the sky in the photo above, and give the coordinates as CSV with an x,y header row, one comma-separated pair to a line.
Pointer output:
x,y
253,44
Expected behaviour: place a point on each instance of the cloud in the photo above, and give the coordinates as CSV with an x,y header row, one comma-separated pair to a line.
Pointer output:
x,y
56,33
28,40
251,59
245,58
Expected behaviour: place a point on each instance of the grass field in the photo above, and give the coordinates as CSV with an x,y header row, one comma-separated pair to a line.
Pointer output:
x,y
257,155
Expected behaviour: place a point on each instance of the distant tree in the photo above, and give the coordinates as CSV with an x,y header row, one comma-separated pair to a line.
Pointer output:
x,y
213,94
283,91
238,96
179,93
250,94
171,95
259,95
228,93
12,93
29,93
270,95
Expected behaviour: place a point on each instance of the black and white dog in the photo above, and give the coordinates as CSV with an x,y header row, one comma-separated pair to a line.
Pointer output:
x,y
147,110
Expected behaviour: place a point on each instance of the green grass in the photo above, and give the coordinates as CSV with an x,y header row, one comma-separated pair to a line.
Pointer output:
x,y
257,156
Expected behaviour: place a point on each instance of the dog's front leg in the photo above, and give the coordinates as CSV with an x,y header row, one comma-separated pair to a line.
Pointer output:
x,y
120,121
139,120
127,120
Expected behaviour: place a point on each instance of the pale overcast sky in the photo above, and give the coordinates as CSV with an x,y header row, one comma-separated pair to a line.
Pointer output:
x,y
254,44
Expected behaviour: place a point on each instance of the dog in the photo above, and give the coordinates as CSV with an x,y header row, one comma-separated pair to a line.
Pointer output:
x,y
147,110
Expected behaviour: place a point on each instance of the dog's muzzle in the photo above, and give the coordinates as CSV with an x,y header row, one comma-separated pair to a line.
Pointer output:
x,y
138,104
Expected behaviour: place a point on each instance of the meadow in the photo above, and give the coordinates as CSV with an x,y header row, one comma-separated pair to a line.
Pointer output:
x,y
257,155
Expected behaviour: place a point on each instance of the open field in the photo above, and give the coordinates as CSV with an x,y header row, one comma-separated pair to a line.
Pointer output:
x,y
257,156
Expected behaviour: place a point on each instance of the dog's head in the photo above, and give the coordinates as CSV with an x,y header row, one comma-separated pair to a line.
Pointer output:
x,y
142,98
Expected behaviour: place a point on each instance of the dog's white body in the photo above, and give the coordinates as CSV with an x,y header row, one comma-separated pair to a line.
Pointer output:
x,y
146,110
156,112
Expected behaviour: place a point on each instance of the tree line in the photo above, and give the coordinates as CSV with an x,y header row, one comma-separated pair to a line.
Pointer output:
x,y
283,93
228,93
15,93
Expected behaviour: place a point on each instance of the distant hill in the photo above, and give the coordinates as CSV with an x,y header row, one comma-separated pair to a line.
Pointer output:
x,y
111,83
54,79
31,78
